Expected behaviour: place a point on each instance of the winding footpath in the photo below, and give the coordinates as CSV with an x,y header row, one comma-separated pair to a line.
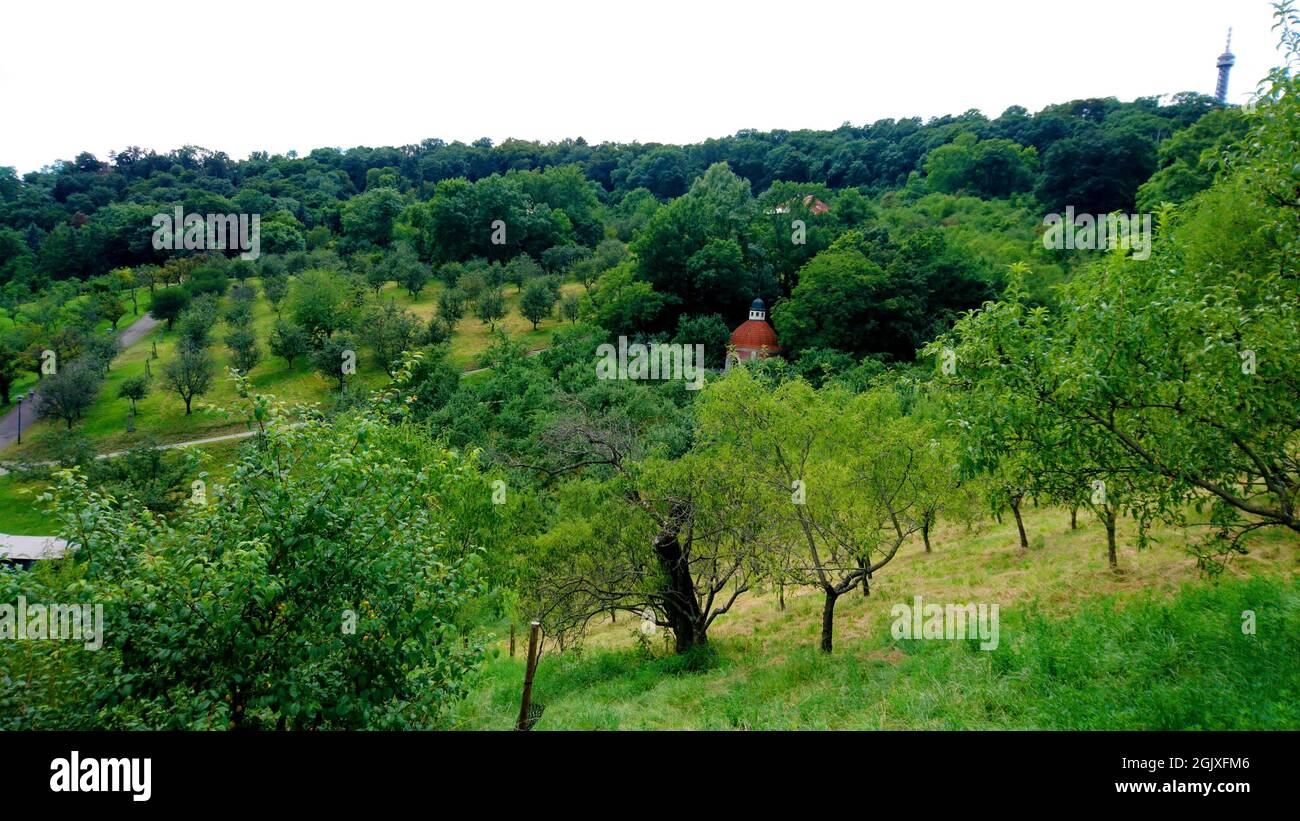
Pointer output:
x,y
9,422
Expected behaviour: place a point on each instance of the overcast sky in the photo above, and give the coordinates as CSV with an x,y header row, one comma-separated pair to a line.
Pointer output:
x,y
272,75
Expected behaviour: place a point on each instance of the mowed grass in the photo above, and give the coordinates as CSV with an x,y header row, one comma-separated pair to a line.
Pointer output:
x,y
1154,646
471,336
21,513
161,415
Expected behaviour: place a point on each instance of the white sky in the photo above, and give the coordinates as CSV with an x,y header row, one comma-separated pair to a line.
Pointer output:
x,y
272,75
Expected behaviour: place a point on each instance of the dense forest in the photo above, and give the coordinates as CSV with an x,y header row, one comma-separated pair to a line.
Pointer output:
x,y
701,240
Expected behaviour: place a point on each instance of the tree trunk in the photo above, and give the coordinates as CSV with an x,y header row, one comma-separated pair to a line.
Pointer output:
x,y
680,603
780,596
1074,517
687,634
1108,518
925,533
828,619
1020,524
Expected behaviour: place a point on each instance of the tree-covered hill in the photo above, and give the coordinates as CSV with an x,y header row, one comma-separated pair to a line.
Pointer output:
x,y
85,216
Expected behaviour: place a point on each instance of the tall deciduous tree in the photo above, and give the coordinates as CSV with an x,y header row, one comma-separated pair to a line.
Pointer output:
x,y
843,476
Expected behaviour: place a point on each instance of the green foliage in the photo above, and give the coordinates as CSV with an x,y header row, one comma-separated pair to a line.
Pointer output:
x,y
316,303
405,268
196,322
710,331
693,251
560,258
985,168
1097,170
537,302
110,307
1190,159
10,365
275,288
463,217
189,373
451,306
570,307
1167,378
167,303
567,190
367,219
208,279
70,392
624,305
288,341
160,480
866,294
329,358
239,313
390,331
317,589
245,353
490,307
134,389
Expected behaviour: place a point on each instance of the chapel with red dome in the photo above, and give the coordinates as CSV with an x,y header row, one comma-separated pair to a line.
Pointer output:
x,y
754,339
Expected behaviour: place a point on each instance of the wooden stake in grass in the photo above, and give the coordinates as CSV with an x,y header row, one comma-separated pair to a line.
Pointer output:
x,y
534,632
512,639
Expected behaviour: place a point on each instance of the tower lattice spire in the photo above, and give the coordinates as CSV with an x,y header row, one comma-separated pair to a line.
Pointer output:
x,y
1226,61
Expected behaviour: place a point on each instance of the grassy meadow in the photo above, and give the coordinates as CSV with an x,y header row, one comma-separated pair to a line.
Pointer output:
x,y
1153,646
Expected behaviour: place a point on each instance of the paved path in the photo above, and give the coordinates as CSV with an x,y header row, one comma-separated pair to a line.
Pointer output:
x,y
9,422
225,437
480,370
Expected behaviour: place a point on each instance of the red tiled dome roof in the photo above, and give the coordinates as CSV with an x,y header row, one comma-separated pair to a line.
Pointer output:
x,y
755,334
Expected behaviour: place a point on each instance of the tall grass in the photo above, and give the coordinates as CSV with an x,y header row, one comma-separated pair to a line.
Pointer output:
x,y
1144,662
